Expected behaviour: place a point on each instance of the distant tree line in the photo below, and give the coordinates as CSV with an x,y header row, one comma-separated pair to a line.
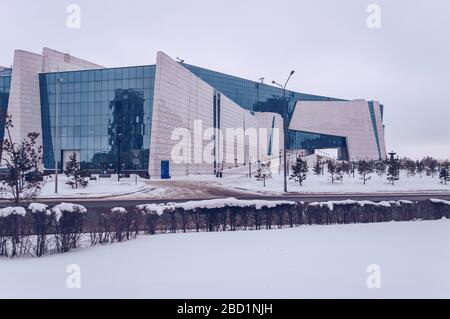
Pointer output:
x,y
391,169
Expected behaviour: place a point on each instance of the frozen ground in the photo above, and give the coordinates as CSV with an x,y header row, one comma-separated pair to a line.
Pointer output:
x,y
305,262
99,188
141,188
322,184
207,186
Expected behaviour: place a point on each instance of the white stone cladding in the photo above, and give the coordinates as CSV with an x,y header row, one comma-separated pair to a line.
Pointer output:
x,y
350,119
66,62
380,129
180,98
24,100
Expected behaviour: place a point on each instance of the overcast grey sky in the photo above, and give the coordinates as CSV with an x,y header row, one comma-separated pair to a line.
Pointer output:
x,y
404,64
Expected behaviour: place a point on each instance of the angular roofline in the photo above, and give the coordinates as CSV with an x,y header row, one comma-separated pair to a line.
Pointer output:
x,y
259,83
102,69
71,56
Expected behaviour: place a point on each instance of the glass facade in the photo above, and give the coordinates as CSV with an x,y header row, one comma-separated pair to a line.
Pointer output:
x,y
5,86
104,115
252,95
311,141
261,97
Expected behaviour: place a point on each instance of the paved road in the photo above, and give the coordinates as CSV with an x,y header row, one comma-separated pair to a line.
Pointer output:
x,y
185,190
130,202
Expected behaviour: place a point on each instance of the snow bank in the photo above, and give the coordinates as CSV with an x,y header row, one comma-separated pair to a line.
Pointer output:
x,y
413,257
5,212
320,184
440,201
211,204
67,207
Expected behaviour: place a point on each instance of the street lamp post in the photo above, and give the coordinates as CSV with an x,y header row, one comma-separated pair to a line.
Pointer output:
x,y
285,126
57,150
119,135
279,164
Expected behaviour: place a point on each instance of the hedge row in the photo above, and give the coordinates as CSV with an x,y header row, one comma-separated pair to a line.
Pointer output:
x,y
41,230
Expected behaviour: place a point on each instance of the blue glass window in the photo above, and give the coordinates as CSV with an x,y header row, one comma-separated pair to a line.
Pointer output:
x,y
98,112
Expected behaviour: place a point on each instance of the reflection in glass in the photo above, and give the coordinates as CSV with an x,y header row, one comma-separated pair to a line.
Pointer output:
x,y
98,116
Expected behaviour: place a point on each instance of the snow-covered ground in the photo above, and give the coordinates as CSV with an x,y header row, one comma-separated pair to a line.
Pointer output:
x,y
208,186
99,188
304,262
322,184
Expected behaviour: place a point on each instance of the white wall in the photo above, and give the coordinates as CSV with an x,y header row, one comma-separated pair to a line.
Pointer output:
x,y
180,98
350,119
380,129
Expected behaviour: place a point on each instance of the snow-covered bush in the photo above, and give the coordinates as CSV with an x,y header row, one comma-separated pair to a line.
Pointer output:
x,y
60,229
441,208
350,211
151,214
101,230
124,224
12,231
69,225
42,222
213,215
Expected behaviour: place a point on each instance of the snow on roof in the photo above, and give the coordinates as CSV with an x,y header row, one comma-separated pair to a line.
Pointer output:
x,y
67,207
440,201
5,212
37,207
